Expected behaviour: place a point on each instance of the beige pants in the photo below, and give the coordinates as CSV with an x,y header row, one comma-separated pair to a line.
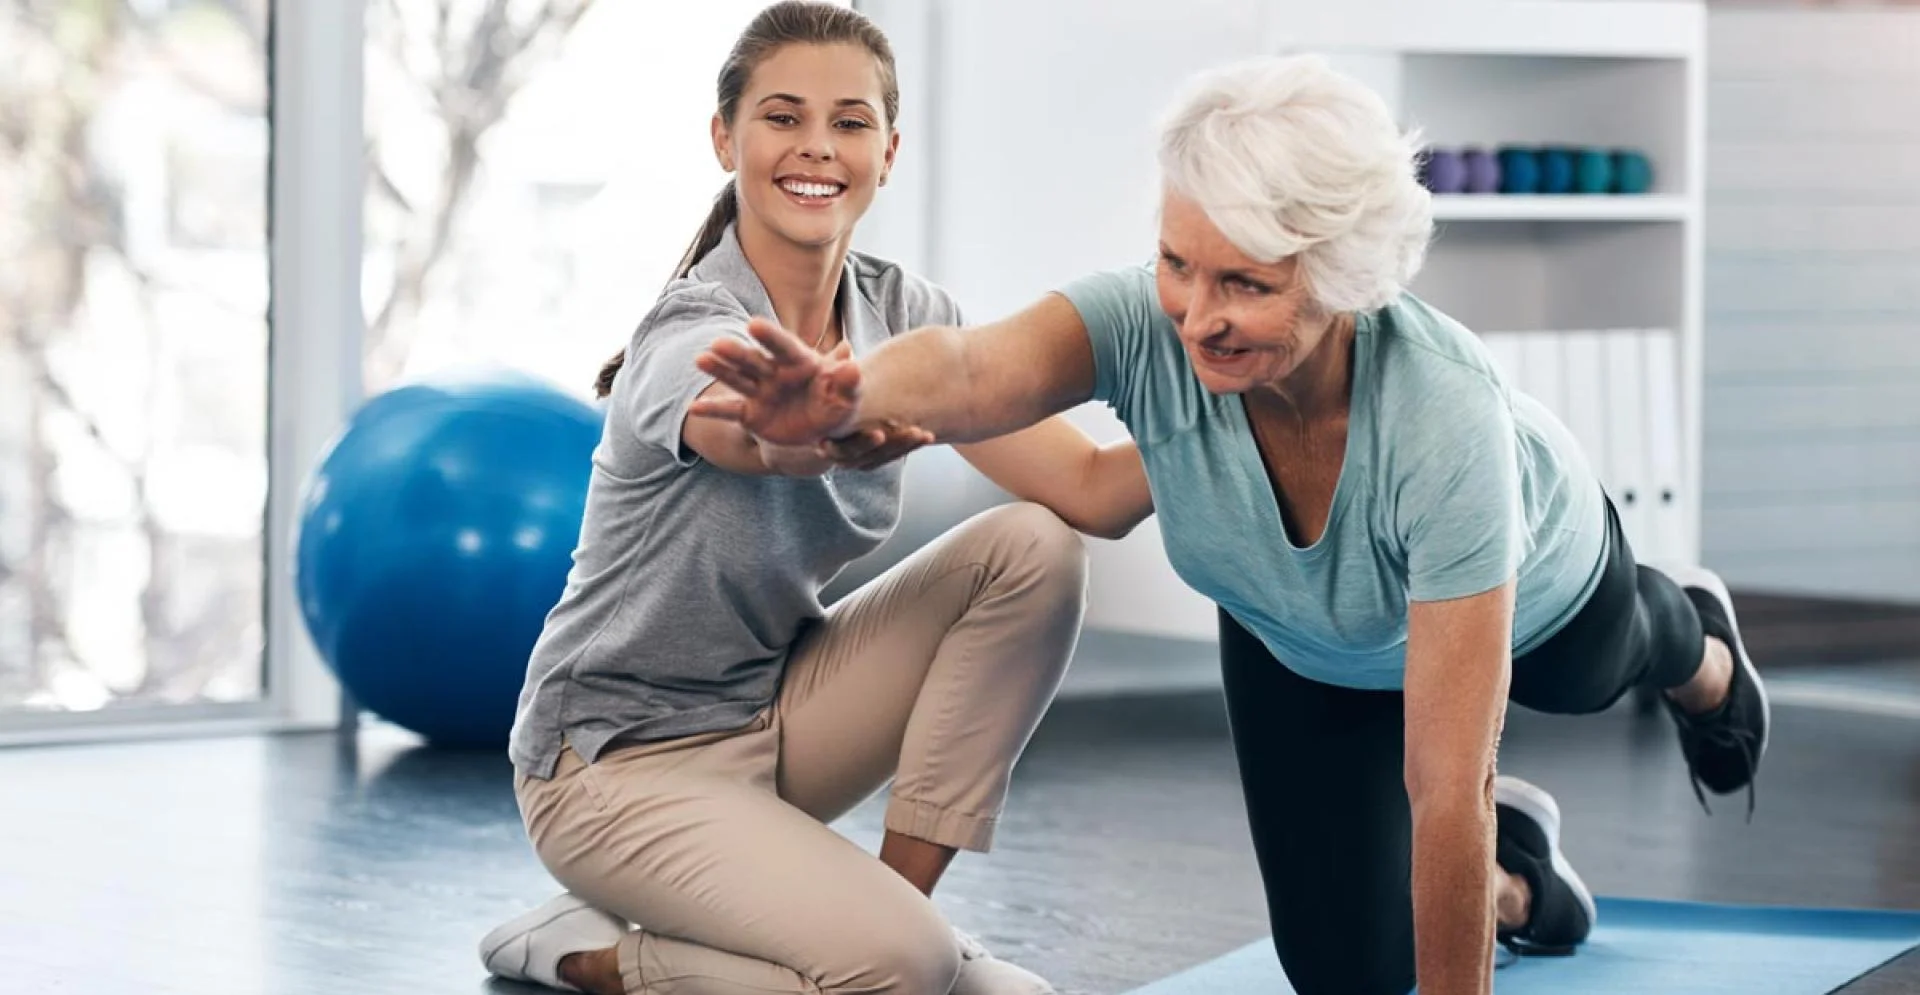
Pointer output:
x,y
934,675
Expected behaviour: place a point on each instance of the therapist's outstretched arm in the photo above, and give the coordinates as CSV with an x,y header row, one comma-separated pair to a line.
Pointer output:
x,y
961,385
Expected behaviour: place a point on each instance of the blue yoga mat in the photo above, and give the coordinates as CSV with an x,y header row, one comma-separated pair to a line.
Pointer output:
x,y
1644,946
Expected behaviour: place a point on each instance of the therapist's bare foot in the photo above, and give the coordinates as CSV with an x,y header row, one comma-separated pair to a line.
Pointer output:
x,y
594,971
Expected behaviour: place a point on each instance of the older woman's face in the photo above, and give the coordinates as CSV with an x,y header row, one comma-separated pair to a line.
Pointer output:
x,y
1245,324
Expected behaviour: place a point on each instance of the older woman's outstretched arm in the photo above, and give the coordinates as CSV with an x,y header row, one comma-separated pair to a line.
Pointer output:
x,y
962,385
995,391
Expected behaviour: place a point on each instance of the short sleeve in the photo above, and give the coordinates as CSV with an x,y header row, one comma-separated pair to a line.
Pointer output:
x,y
1122,313
659,381
939,309
1459,505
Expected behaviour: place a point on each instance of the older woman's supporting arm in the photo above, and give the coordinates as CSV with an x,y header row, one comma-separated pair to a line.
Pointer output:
x,y
1458,669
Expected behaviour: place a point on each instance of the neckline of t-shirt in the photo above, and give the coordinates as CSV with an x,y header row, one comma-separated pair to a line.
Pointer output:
x,y
1359,419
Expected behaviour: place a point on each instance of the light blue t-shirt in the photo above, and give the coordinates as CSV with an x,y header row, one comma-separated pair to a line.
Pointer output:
x,y
1452,483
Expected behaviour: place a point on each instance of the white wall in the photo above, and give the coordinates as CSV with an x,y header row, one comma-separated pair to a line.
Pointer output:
x,y
1046,174
1812,421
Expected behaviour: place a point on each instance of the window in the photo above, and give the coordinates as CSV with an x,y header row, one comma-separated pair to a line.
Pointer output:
x,y
534,170
133,352
535,176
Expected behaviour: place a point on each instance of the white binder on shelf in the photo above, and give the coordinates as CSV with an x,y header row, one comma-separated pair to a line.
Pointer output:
x,y
1584,388
1665,457
1625,469
1505,349
1544,374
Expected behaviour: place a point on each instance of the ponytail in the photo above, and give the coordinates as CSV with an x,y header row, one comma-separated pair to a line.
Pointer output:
x,y
725,211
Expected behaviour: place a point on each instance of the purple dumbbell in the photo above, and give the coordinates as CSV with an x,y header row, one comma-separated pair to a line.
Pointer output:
x,y
1483,171
1446,171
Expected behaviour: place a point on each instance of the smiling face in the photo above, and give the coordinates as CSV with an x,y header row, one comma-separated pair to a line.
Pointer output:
x,y
1246,325
809,142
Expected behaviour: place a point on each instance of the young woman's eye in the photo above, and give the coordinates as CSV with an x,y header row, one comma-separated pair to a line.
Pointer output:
x,y
782,117
852,124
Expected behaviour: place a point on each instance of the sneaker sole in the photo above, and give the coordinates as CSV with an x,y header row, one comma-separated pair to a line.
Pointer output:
x,y
500,936
1539,806
1710,582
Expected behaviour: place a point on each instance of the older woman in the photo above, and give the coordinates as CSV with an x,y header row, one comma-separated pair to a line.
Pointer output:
x,y
1398,543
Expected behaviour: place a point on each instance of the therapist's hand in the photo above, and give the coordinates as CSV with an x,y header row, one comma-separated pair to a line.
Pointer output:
x,y
874,446
787,393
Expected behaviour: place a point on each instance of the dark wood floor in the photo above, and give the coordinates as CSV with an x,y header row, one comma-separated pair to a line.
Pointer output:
x,y
296,866
1800,630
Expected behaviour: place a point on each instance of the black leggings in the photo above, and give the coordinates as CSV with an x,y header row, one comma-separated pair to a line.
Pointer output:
x,y
1322,769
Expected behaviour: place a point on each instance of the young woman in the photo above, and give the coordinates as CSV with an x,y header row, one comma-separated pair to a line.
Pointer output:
x,y
693,717
1399,545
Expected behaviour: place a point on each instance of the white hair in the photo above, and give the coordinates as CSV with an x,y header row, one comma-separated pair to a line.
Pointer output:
x,y
1289,158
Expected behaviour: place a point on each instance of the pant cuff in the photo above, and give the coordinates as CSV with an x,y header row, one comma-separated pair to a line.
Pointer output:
x,y
628,953
940,826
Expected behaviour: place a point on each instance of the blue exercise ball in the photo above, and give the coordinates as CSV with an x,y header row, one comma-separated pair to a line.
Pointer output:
x,y
434,536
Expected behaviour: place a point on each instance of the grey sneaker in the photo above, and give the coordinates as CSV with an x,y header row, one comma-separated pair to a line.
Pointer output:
x,y
1528,844
1723,747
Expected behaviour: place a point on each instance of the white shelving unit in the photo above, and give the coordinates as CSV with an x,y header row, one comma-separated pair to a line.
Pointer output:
x,y
1613,29
1596,73
1495,207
